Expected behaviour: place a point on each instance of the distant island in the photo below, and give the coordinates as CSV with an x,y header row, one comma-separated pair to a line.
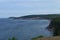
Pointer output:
x,y
36,17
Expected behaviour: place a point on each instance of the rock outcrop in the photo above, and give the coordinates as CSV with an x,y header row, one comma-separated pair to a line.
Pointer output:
x,y
55,26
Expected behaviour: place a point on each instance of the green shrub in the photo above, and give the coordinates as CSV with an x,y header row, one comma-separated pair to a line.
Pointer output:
x,y
13,38
41,36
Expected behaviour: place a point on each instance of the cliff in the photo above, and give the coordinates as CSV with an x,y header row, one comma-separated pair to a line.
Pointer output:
x,y
55,26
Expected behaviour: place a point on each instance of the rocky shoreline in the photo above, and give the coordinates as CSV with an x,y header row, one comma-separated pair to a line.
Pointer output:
x,y
55,26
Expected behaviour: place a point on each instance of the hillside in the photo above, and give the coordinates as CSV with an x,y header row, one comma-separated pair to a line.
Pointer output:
x,y
49,16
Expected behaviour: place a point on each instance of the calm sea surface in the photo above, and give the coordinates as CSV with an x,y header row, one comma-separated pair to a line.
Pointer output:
x,y
23,29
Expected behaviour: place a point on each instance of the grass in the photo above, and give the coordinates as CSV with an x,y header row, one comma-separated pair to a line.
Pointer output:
x,y
41,36
48,38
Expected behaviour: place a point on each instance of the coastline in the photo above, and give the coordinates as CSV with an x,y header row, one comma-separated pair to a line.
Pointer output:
x,y
54,27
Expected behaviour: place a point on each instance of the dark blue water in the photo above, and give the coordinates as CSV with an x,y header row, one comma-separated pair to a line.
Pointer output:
x,y
23,29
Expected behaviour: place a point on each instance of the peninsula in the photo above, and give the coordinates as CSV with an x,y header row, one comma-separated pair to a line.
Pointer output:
x,y
35,17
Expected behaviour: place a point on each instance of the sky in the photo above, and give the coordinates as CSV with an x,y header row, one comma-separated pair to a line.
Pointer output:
x,y
28,7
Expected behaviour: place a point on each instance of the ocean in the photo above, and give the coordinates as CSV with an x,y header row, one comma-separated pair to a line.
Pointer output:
x,y
23,29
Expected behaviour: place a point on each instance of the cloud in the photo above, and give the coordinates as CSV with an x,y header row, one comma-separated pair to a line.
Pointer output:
x,y
27,0
58,1
7,0
26,7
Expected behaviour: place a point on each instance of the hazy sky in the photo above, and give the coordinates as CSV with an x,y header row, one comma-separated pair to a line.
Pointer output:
x,y
26,7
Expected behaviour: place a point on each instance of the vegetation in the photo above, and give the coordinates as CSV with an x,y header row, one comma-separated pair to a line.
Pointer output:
x,y
50,16
13,38
37,37
49,38
44,16
56,24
